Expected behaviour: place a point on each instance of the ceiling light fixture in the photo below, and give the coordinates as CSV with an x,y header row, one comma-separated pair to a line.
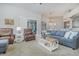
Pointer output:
x,y
40,3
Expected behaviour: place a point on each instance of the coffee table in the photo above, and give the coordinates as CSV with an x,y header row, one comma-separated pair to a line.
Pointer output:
x,y
49,43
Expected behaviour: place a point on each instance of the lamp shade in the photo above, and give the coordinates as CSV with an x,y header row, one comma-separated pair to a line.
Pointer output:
x,y
52,24
18,28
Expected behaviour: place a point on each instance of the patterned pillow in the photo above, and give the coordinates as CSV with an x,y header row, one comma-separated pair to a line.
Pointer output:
x,y
67,34
72,34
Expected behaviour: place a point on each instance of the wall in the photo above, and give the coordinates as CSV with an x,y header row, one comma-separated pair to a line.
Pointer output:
x,y
74,17
19,14
72,13
75,24
58,20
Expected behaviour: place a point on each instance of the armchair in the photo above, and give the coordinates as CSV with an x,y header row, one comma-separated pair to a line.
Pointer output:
x,y
7,33
29,35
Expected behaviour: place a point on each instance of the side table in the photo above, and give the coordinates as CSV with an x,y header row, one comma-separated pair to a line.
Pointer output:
x,y
19,37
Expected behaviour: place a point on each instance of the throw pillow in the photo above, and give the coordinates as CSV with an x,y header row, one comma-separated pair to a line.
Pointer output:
x,y
67,34
73,34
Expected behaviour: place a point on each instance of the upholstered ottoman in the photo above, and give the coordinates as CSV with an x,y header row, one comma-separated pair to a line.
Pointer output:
x,y
3,45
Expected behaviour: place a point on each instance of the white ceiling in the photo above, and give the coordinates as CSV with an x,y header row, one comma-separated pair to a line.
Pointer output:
x,y
55,8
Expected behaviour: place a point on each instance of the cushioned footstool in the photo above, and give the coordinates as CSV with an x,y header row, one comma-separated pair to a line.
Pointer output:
x,y
3,45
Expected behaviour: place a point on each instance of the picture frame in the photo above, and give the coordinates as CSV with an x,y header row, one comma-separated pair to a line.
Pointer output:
x,y
9,21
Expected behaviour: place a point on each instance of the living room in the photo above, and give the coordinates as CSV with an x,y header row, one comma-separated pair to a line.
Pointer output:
x,y
53,29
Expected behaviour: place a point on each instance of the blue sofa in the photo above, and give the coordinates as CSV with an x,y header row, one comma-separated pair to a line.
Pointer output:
x,y
73,43
3,45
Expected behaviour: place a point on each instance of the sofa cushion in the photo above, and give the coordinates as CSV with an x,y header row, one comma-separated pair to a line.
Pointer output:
x,y
52,32
6,37
60,39
67,34
60,33
6,31
56,37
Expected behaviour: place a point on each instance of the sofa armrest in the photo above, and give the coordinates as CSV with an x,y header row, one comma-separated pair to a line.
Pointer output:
x,y
11,39
76,42
12,36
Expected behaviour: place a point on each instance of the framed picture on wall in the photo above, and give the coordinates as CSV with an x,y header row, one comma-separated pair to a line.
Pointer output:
x,y
9,21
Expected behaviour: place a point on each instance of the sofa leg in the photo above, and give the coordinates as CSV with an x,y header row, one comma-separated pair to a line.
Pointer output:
x,y
74,48
4,52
